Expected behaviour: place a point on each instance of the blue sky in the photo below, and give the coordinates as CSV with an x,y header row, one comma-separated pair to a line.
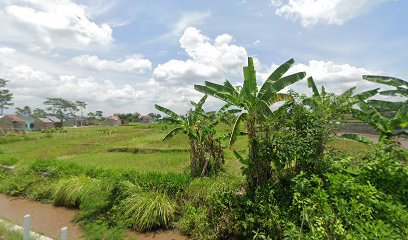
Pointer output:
x,y
125,56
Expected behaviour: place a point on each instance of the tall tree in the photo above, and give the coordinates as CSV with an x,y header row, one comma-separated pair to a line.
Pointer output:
x,y
5,96
256,108
61,107
98,113
25,111
81,105
39,113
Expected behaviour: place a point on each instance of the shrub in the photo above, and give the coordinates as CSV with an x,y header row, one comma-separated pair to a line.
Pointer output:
x,y
384,171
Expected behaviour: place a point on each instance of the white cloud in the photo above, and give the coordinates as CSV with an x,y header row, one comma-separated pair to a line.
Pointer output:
x,y
7,50
31,86
208,59
335,77
191,19
53,23
136,64
311,12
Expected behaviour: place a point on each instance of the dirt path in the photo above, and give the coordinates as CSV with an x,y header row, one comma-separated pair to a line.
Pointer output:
x,y
374,138
48,220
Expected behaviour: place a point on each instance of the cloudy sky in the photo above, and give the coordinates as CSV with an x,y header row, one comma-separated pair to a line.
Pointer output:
x,y
127,55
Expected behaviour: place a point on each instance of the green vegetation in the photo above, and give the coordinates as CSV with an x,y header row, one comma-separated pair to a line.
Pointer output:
x,y
256,105
297,180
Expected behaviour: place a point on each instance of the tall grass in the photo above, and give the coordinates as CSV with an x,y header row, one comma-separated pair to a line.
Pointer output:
x,y
148,210
69,192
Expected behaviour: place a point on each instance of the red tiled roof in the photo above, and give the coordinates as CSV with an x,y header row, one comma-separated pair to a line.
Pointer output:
x,y
15,118
146,118
113,118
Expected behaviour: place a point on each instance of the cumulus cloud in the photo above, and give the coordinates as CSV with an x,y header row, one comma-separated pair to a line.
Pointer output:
x,y
311,12
28,83
7,50
136,64
335,77
53,23
208,59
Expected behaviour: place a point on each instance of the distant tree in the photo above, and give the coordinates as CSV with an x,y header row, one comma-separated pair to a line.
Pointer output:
x,y
81,105
61,107
39,113
154,115
25,111
5,96
98,113
129,117
91,115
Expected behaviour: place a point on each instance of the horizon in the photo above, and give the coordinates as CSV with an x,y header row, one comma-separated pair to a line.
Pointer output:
x,y
126,56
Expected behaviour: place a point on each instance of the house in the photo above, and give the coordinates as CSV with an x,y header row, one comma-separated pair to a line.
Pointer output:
x,y
112,121
12,123
146,119
57,122
43,123
76,122
29,123
47,123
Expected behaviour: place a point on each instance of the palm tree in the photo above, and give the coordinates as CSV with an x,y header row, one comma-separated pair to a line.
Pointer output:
x,y
255,105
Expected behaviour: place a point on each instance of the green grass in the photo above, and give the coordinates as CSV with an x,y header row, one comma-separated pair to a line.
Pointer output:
x,y
7,234
95,147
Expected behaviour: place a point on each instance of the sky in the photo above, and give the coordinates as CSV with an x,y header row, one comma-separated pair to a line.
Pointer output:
x,y
127,55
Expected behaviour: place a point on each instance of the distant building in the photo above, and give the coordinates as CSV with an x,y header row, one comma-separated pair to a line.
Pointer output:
x,y
29,123
146,119
12,123
76,122
112,121
47,123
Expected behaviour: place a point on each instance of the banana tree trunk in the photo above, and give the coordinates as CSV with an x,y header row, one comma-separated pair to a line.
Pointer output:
x,y
259,168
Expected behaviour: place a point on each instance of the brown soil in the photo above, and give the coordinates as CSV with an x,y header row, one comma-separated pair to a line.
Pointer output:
x,y
48,220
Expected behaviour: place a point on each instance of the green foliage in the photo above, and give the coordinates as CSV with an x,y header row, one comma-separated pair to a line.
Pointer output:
x,y
255,106
385,171
148,210
8,161
196,222
69,192
54,130
100,230
206,152
5,96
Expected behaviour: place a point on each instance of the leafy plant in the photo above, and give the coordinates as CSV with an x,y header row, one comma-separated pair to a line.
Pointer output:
x,y
388,127
206,153
255,105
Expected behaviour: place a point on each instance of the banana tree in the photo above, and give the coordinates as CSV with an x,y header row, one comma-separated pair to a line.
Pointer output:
x,y
401,90
255,105
344,101
333,107
206,153
388,127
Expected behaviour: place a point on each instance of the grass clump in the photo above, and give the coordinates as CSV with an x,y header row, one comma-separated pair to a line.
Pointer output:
x,y
69,192
8,161
148,210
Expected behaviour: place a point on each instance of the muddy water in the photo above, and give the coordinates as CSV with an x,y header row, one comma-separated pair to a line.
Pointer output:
x,y
45,218
48,220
